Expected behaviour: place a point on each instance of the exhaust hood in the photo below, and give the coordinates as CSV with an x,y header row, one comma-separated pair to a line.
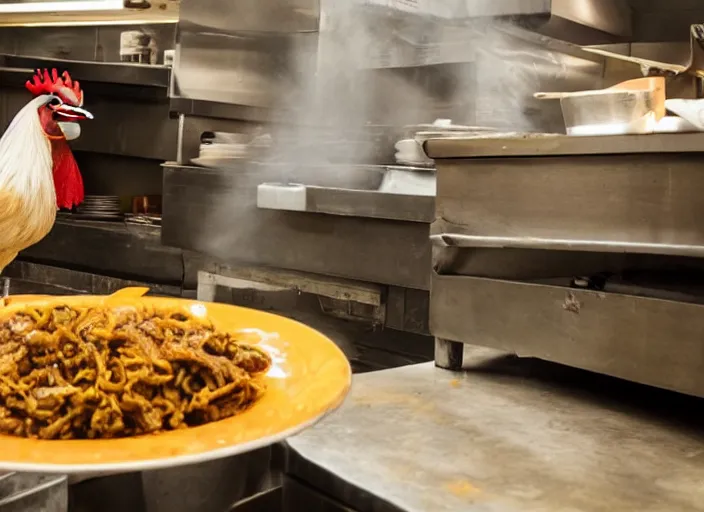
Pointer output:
x,y
575,21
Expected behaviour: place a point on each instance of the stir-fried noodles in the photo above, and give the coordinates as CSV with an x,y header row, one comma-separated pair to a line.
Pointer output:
x,y
103,372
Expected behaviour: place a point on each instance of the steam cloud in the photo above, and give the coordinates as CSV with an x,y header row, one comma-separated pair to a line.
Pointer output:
x,y
351,88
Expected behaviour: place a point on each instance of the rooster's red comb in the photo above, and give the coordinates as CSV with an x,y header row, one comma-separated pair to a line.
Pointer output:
x,y
62,86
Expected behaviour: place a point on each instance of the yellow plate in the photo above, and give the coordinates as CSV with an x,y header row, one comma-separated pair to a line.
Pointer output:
x,y
309,377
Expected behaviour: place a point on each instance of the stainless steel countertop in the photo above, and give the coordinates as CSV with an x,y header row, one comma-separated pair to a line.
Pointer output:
x,y
529,145
515,435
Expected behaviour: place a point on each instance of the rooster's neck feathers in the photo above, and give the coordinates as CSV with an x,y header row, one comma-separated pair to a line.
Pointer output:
x,y
26,182
25,153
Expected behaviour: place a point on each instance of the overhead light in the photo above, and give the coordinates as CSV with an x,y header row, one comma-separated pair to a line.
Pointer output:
x,y
59,6
91,23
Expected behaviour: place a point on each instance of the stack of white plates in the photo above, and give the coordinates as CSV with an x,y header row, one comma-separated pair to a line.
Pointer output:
x,y
223,150
228,148
100,207
221,155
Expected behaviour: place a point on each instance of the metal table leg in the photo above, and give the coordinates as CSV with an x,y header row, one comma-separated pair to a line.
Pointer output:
x,y
207,286
449,354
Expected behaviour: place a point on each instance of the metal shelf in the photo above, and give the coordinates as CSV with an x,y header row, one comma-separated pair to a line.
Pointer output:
x,y
356,203
135,81
556,244
220,110
343,246
109,248
109,72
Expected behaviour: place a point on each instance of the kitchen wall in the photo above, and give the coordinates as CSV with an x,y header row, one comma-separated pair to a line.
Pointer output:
x,y
91,43
658,20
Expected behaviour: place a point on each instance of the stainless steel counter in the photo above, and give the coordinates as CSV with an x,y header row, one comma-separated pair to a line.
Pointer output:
x,y
517,219
518,435
535,144
110,248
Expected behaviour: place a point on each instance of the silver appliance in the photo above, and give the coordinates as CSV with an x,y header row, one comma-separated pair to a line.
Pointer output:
x,y
586,251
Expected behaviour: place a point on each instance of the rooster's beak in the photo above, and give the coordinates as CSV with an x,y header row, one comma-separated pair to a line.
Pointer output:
x,y
73,113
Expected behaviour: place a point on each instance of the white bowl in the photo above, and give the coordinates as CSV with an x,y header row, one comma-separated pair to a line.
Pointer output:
x,y
411,150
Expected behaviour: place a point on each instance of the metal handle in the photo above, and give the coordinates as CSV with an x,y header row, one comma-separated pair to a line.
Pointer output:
x,y
554,244
550,95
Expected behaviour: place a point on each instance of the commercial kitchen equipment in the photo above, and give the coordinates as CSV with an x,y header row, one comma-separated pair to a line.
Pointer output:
x,y
586,251
334,112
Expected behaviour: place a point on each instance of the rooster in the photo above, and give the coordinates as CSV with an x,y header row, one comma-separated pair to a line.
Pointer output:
x,y
38,173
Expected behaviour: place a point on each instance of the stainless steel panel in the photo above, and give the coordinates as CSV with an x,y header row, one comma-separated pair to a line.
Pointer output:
x,y
610,16
651,341
133,252
297,496
528,264
276,280
124,74
242,68
565,19
476,8
623,199
214,212
228,69
367,203
89,71
579,22
209,486
283,16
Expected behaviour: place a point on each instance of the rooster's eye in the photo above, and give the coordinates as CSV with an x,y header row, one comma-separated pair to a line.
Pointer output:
x,y
55,102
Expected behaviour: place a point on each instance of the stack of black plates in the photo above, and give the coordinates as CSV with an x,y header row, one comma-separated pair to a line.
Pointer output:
x,y
100,207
